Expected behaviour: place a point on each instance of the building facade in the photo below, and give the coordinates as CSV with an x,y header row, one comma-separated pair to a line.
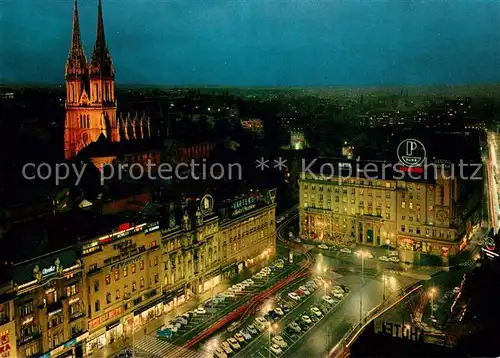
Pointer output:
x,y
142,271
416,216
47,306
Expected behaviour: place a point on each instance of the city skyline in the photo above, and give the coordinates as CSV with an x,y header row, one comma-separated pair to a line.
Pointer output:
x,y
298,43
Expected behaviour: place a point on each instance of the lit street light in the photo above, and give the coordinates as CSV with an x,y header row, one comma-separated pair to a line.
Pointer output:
x,y
432,292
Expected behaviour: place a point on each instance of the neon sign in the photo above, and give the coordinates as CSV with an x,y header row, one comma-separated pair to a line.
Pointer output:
x,y
49,270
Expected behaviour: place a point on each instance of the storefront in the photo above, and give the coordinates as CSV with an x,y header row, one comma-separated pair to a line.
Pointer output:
x,y
71,348
96,341
114,331
148,312
173,299
210,283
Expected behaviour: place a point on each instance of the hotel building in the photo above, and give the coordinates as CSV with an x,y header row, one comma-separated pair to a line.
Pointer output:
x,y
383,209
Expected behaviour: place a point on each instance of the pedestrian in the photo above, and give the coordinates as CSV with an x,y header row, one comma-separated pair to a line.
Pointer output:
x,y
145,330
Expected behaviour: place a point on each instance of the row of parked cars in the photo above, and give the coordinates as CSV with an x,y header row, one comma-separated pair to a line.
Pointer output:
x,y
305,290
247,334
171,328
392,256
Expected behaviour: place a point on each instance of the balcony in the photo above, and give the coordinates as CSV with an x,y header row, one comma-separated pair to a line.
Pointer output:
x,y
54,307
28,338
76,315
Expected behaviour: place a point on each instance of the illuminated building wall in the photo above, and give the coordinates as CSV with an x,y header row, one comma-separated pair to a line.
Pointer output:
x,y
49,306
413,216
141,271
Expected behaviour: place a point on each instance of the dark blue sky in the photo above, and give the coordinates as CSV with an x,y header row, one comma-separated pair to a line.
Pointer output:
x,y
261,42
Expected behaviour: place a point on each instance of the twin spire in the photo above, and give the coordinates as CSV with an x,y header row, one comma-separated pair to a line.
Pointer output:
x,y
101,64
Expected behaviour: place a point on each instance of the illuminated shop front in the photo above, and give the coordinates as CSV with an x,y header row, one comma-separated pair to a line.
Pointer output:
x,y
148,313
105,335
210,283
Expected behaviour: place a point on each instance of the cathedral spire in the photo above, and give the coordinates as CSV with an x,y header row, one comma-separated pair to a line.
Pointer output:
x,y
77,63
101,64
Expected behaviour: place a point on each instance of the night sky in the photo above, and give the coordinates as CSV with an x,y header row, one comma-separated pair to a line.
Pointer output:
x,y
261,42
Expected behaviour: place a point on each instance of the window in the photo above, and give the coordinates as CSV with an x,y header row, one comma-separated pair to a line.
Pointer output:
x,y
418,207
108,297
388,195
141,265
133,268
125,271
418,218
117,275
96,286
152,244
418,231
410,205
92,267
157,278
410,218
134,287
403,229
403,205
156,260
108,279
71,290
142,282
387,184
403,217
97,306
117,294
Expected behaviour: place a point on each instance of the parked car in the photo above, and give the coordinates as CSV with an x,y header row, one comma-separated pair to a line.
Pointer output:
x,y
181,320
239,337
384,258
246,335
338,295
252,330
276,349
233,343
284,307
305,290
345,288
393,253
306,319
279,311
226,347
345,250
233,327
294,296
323,247
219,353
394,259
328,300
300,293
200,310
279,341
316,311
295,327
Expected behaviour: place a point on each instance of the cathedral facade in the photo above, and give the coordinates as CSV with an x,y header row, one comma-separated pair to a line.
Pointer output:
x,y
90,96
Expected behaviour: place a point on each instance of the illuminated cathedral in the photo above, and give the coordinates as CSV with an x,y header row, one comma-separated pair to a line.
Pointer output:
x,y
90,96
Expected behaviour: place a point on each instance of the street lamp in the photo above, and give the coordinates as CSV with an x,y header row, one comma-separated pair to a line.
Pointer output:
x,y
326,286
362,254
387,242
432,292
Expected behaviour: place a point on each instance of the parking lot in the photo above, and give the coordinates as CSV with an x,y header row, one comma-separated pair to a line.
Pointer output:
x,y
171,336
280,322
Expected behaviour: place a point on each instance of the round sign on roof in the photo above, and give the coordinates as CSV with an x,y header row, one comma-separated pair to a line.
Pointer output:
x,y
489,244
207,205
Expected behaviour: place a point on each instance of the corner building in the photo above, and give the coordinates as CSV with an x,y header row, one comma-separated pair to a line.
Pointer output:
x,y
379,208
144,270
43,308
